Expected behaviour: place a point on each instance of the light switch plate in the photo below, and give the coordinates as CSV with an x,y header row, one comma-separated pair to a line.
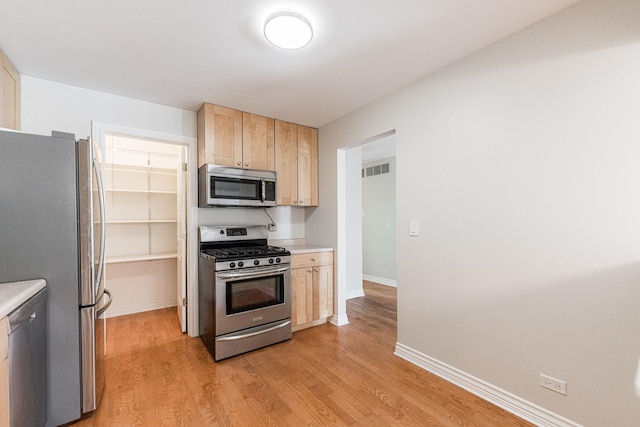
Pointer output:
x,y
414,228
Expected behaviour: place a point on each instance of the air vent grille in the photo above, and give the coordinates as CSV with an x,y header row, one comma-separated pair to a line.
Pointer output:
x,y
375,170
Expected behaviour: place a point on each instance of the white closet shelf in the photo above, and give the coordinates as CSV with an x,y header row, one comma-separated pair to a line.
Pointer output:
x,y
134,258
142,221
117,190
133,168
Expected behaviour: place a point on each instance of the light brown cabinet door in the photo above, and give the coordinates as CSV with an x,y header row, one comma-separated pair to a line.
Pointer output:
x,y
301,296
307,166
322,292
286,141
219,136
9,94
258,143
312,289
296,164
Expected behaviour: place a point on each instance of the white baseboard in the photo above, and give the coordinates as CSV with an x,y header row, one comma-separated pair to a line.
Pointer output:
x,y
355,294
139,308
501,398
380,280
339,320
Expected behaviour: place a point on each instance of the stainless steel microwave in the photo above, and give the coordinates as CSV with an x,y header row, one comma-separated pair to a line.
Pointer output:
x,y
226,186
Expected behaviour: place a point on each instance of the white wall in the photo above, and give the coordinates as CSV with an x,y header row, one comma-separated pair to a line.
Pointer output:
x,y
529,208
379,224
289,219
141,286
47,106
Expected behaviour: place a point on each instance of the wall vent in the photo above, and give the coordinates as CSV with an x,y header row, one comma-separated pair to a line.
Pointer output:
x,y
375,170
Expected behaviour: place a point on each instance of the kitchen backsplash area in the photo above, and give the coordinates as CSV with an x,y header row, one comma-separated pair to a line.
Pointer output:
x,y
289,220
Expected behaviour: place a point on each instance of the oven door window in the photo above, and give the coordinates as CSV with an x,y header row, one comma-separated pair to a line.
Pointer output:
x,y
234,188
251,294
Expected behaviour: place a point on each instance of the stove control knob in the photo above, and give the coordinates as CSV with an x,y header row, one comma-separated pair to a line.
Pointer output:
x,y
278,260
232,264
256,262
270,260
240,264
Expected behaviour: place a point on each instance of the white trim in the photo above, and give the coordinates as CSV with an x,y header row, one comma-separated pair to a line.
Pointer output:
x,y
499,397
138,308
98,131
380,280
356,293
339,320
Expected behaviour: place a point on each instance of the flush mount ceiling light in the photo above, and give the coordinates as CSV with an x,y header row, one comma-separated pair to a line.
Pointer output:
x,y
288,30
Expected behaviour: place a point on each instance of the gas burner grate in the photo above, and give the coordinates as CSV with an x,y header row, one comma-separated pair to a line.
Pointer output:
x,y
245,252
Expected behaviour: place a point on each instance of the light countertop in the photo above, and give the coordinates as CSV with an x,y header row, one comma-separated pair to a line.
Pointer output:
x,y
304,248
13,294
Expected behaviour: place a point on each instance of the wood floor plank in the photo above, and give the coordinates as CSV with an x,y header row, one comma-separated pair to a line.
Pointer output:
x,y
325,375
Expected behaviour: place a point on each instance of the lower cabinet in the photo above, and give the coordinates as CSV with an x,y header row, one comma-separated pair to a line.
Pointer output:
x,y
311,289
4,375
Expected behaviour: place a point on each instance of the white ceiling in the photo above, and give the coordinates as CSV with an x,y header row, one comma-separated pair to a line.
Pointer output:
x,y
181,53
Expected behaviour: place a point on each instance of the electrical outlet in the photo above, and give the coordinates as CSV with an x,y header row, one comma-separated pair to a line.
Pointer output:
x,y
272,227
554,384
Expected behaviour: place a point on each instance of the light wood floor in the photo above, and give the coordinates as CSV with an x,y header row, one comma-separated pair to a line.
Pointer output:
x,y
324,376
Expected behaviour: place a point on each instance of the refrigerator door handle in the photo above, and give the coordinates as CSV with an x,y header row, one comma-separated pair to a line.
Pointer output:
x,y
103,226
104,308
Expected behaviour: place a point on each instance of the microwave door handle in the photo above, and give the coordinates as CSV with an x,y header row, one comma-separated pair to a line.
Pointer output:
x,y
264,190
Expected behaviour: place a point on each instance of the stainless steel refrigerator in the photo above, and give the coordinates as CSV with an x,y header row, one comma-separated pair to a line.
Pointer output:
x,y
52,227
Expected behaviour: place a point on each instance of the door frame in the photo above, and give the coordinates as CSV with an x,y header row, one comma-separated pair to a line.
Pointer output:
x,y
98,132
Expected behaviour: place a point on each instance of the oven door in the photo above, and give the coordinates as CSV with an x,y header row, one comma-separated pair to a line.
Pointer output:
x,y
251,297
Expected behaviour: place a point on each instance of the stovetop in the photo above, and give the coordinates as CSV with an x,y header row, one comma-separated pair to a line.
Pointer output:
x,y
247,257
240,247
237,253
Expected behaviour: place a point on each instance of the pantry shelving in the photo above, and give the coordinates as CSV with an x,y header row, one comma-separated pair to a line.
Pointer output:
x,y
141,213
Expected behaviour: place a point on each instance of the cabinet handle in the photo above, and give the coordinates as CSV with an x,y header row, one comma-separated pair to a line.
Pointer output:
x,y
313,259
246,164
295,202
310,271
316,270
239,163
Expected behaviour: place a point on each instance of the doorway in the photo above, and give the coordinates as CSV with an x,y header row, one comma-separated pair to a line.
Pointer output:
x,y
148,226
379,211
349,255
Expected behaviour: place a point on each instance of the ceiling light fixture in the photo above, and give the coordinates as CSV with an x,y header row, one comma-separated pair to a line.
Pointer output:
x,y
288,30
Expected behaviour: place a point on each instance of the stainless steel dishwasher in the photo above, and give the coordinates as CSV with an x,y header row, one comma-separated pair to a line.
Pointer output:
x,y
27,354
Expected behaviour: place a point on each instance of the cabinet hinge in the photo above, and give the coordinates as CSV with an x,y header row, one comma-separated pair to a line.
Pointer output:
x,y
184,302
184,167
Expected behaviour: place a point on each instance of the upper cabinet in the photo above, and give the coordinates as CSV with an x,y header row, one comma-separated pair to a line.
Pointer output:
x,y
9,94
229,137
257,142
219,136
307,166
296,164
287,163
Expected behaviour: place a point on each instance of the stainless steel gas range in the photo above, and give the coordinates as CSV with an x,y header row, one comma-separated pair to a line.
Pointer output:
x,y
244,290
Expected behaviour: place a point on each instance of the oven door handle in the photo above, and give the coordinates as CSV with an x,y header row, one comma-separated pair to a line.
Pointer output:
x,y
250,274
253,334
